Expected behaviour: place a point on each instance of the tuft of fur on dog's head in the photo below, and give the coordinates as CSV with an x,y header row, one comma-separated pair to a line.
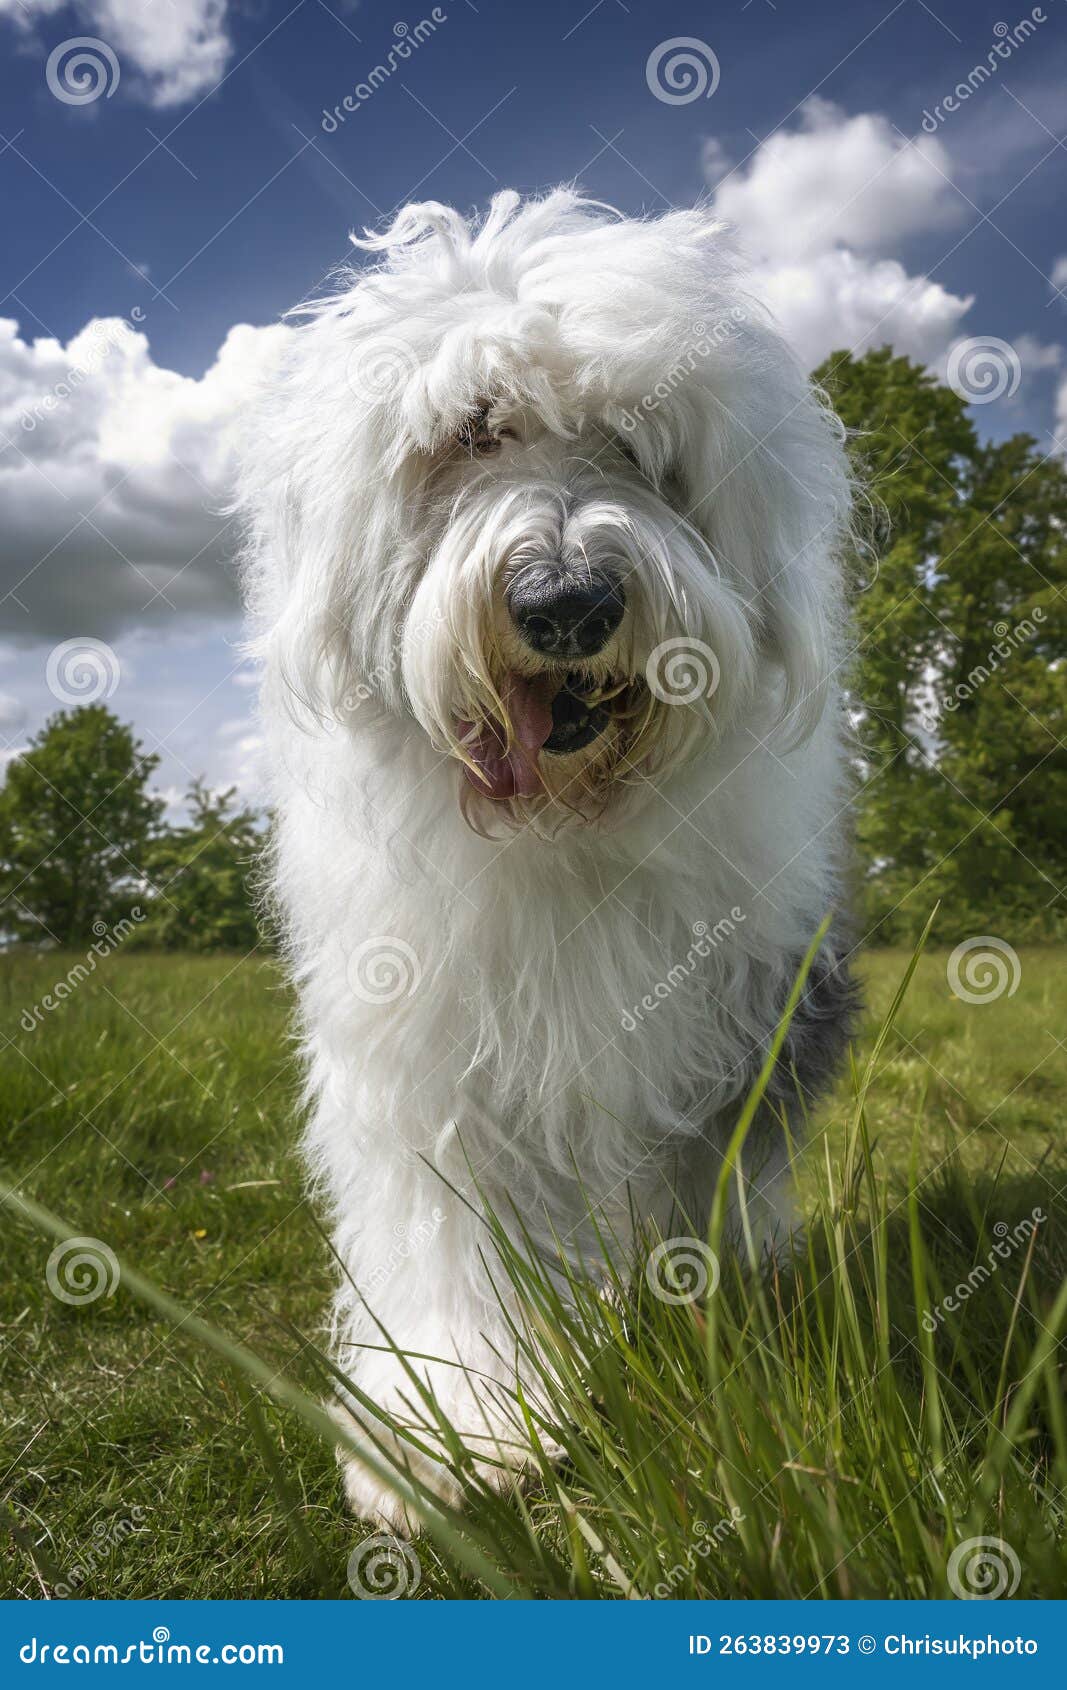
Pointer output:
x,y
552,485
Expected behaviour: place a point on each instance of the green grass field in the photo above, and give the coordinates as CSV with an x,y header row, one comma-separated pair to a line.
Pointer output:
x,y
800,1435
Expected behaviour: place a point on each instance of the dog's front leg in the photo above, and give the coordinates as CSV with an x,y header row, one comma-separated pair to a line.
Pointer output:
x,y
425,1338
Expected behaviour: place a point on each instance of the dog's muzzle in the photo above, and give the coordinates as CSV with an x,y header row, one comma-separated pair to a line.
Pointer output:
x,y
552,713
562,615
567,618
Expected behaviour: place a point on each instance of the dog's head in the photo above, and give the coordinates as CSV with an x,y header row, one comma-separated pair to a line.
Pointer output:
x,y
552,485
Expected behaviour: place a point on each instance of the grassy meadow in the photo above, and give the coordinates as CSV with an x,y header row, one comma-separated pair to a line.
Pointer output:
x,y
815,1432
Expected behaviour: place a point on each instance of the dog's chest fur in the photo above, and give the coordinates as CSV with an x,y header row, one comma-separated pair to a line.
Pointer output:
x,y
575,1001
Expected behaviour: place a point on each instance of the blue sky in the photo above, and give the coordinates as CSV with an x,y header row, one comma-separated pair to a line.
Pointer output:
x,y
205,192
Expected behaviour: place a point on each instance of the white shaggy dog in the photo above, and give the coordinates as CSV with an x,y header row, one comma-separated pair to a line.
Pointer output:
x,y
544,562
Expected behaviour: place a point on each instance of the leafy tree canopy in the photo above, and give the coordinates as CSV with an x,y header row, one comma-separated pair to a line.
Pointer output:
x,y
204,874
76,816
957,678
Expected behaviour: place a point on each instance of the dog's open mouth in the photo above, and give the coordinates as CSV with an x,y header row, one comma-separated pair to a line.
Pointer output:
x,y
581,711
547,713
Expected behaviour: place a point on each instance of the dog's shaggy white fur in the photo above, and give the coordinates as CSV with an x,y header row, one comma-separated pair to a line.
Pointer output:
x,y
544,563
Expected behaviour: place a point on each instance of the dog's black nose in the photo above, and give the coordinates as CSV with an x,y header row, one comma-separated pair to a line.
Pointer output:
x,y
563,614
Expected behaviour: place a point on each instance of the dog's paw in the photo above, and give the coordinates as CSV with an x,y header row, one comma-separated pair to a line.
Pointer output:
x,y
369,1492
371,1495
372,1498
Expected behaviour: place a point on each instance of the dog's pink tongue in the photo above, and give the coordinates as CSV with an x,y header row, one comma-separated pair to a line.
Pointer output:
x,y
512,774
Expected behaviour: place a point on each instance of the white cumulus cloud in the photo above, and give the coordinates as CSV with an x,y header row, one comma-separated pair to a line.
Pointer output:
x,y
842,300
168,53
823,209
839,181
113,474
12,713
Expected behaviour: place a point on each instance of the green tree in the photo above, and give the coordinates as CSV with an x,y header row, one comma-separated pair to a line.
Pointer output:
x,y
910,441
960,639
205,874
76,817
1001,711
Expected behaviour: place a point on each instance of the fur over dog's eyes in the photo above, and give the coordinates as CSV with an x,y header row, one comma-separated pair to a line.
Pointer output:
x,y
479,438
